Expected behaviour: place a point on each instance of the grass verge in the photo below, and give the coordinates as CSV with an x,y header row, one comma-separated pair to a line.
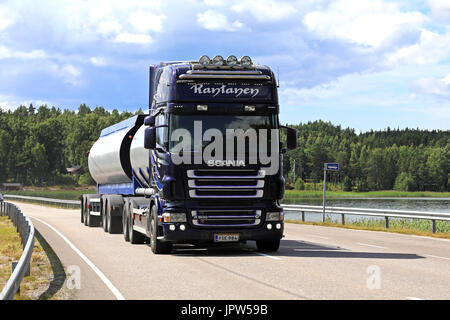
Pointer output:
x,y
47,275
10,249
404,226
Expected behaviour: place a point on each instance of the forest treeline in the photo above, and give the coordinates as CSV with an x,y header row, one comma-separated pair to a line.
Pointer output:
x,y
407,159
38,144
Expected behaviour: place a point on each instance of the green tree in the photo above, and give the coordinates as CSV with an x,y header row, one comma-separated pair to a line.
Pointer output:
x,y
348,184
299,184
405,182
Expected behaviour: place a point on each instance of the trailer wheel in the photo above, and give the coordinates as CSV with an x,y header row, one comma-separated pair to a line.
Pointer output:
x,y
158,246
104,215
135,237
82,209
85,215
92,221
114,223
126,230
268,246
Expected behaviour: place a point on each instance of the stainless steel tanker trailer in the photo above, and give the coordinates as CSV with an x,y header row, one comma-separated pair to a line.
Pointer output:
x,y
146,193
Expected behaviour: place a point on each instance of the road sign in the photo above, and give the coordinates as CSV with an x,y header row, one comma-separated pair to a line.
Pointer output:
x,y
332,166
327,167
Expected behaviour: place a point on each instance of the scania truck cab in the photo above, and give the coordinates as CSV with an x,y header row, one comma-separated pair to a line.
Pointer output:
x,y
203,166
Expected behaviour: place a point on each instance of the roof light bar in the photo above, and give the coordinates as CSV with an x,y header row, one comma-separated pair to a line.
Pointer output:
x,y
204,61
219,62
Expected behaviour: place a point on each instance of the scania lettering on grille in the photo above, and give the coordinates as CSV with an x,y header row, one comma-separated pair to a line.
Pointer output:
x,y
226,163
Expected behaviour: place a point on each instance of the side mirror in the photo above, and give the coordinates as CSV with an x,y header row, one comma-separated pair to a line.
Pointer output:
x,y
150,138
149,121
292,136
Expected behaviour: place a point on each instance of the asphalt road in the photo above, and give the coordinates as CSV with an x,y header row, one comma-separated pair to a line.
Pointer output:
x,y
313,263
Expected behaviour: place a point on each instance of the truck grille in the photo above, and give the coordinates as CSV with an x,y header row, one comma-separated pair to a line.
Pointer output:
x,y
226,218
226,183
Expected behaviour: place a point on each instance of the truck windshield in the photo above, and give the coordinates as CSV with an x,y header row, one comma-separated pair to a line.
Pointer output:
x,y
222,123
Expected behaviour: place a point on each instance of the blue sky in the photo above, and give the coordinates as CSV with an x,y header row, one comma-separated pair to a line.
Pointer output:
x,y
365,64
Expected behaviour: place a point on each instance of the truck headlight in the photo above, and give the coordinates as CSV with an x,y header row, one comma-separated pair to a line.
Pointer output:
x,y
172,217
274,216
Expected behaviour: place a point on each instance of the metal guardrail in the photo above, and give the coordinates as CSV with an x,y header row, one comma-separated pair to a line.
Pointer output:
x,y
75,204
26,231
425,215
385,213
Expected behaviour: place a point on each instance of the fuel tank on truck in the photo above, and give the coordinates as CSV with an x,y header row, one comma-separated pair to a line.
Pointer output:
x,y
109,158
139,158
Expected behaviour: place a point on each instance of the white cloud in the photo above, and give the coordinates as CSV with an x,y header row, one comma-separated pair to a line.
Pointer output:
x,y
363,22
109,27
265,10
216,21
438,88
69,73
431,48
133,38
440,9
98,61
214,3
145,21
6,53
8,102
5,19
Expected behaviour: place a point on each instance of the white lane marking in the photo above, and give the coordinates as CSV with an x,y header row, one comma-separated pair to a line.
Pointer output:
x,y
429,255
108,283
313,235
371,245
414,298
266,255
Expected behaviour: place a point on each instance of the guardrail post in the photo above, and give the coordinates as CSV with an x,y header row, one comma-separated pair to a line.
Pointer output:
x,y
434,225
13,266
303,216
343,218
387,222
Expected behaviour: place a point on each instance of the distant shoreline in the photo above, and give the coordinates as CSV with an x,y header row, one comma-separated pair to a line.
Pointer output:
x,y
371,195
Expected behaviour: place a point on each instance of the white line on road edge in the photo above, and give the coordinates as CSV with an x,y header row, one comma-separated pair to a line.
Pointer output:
x,y
429,255
266,255
414,298
371,245
108,283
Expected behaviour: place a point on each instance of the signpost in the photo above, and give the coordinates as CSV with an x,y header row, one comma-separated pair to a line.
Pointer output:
x,y
327,167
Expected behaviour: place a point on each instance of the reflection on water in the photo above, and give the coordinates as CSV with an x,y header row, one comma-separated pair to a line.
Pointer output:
x,y
412,204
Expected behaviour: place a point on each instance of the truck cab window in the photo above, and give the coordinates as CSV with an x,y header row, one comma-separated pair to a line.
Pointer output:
x,y
161,129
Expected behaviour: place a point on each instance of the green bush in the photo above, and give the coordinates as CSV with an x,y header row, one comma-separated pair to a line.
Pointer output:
x,y
347,184
405,182
299,184
63,179
85,179
361,186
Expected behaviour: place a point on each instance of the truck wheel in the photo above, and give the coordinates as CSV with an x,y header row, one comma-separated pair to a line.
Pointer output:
x,y
158,246
268,246
126,230
114,223
82,209
85,216
104,216
135,237
92,221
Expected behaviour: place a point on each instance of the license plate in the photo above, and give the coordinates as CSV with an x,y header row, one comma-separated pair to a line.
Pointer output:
x,y
226,237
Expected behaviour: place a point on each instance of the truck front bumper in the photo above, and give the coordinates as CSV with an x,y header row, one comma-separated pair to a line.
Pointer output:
x,y
206,235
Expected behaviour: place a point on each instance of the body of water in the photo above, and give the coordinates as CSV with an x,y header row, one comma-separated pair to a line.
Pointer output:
x,y
410,204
